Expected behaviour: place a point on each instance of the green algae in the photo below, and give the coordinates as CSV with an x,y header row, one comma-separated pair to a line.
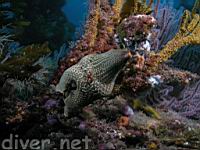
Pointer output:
x,y
21,65
150,111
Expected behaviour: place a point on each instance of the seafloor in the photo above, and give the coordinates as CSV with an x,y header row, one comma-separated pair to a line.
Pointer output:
x,y
128,70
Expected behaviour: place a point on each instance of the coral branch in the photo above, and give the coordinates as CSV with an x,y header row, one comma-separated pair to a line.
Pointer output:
x,y
117,9
168,24
187,104
188,34
187,58
196,8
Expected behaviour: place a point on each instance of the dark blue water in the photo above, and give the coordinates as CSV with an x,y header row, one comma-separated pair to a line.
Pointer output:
x,y
76,11
187,4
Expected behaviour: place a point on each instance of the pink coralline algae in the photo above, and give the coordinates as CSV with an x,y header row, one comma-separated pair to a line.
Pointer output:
x,y
135,29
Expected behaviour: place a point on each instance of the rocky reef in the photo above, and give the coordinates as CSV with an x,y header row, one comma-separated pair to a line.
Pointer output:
x,y
45,22
130,82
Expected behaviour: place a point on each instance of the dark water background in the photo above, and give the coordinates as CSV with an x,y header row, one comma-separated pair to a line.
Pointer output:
x,y
76,11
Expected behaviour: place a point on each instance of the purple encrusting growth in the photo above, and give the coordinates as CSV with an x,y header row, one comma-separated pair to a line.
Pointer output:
x,y
128,111
168,23
82,126
51,104
51,119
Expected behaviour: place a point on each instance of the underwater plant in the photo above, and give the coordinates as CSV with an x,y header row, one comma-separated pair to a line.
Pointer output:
x,y
21,64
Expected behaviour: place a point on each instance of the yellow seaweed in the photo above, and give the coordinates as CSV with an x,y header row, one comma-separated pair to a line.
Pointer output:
x,y
137,104
117,7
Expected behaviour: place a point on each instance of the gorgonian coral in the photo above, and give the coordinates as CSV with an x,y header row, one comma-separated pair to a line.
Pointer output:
x,y
187,104
187,58
188,34
168,23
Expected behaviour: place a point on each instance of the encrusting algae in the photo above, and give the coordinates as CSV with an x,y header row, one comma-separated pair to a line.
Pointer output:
x,y
117,9
138,105
91,29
